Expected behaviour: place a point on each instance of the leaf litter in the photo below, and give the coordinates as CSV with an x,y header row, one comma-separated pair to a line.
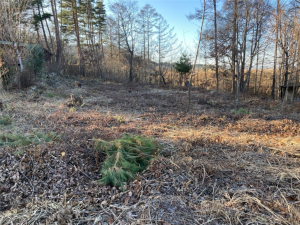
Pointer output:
x,y
216,166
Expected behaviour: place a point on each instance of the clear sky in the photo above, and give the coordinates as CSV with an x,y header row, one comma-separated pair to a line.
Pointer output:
x,y
175,11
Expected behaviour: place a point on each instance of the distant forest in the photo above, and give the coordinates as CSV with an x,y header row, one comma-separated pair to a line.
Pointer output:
x,y
244,46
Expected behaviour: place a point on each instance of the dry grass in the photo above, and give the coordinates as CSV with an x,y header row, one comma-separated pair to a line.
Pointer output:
x,y
207,79
217,166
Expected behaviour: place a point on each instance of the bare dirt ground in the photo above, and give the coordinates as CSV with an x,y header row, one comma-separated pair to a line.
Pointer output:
x,y
217,166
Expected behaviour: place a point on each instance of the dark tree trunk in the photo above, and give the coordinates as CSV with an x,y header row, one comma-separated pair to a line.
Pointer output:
x,y
52,46
43,28
57,36
80,56
130,68
216,44
242,73
275,53
233,46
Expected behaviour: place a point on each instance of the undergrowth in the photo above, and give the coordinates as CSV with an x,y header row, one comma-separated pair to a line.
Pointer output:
x,y
18,140
241,111
125,157
50,94
5,120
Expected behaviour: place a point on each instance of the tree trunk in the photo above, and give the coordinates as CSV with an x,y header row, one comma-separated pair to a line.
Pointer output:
x,y
288,80
159,62
261,72
51,41
216,44
193,69
57,36
233,45
286,74
80,55
238,90
37,30
256,70
43,28
238,77
131,67
275,51
119,39
252,55
242,73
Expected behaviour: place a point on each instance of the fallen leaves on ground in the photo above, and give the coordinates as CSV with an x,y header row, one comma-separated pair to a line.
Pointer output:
x,y
216,166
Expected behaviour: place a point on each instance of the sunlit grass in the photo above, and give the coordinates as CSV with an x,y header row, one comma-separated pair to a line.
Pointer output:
x,y
18,140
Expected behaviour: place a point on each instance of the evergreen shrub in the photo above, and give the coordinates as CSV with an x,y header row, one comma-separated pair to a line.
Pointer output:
x,y
34,58
125,157
241,111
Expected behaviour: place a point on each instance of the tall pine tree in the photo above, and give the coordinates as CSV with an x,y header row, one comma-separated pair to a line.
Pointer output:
x,y
70,26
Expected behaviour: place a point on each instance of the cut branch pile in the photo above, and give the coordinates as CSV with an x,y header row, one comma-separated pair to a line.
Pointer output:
x,y
125,157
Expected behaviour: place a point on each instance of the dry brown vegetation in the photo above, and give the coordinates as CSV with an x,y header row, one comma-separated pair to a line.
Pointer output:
x,y
218,165
207,79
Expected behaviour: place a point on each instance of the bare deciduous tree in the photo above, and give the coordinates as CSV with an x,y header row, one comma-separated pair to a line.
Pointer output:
x,y
197,52
166,40
127,12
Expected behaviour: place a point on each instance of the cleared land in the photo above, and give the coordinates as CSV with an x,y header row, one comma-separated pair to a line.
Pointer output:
x,y
217,166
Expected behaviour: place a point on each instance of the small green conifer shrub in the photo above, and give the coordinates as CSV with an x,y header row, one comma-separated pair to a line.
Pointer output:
x,y
241,111
34,58
125,157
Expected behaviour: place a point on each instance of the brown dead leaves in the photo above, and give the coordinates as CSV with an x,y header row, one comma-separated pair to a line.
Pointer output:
x,y
219,167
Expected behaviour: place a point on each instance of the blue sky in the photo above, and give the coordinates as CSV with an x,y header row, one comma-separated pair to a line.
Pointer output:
x,y
175,11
